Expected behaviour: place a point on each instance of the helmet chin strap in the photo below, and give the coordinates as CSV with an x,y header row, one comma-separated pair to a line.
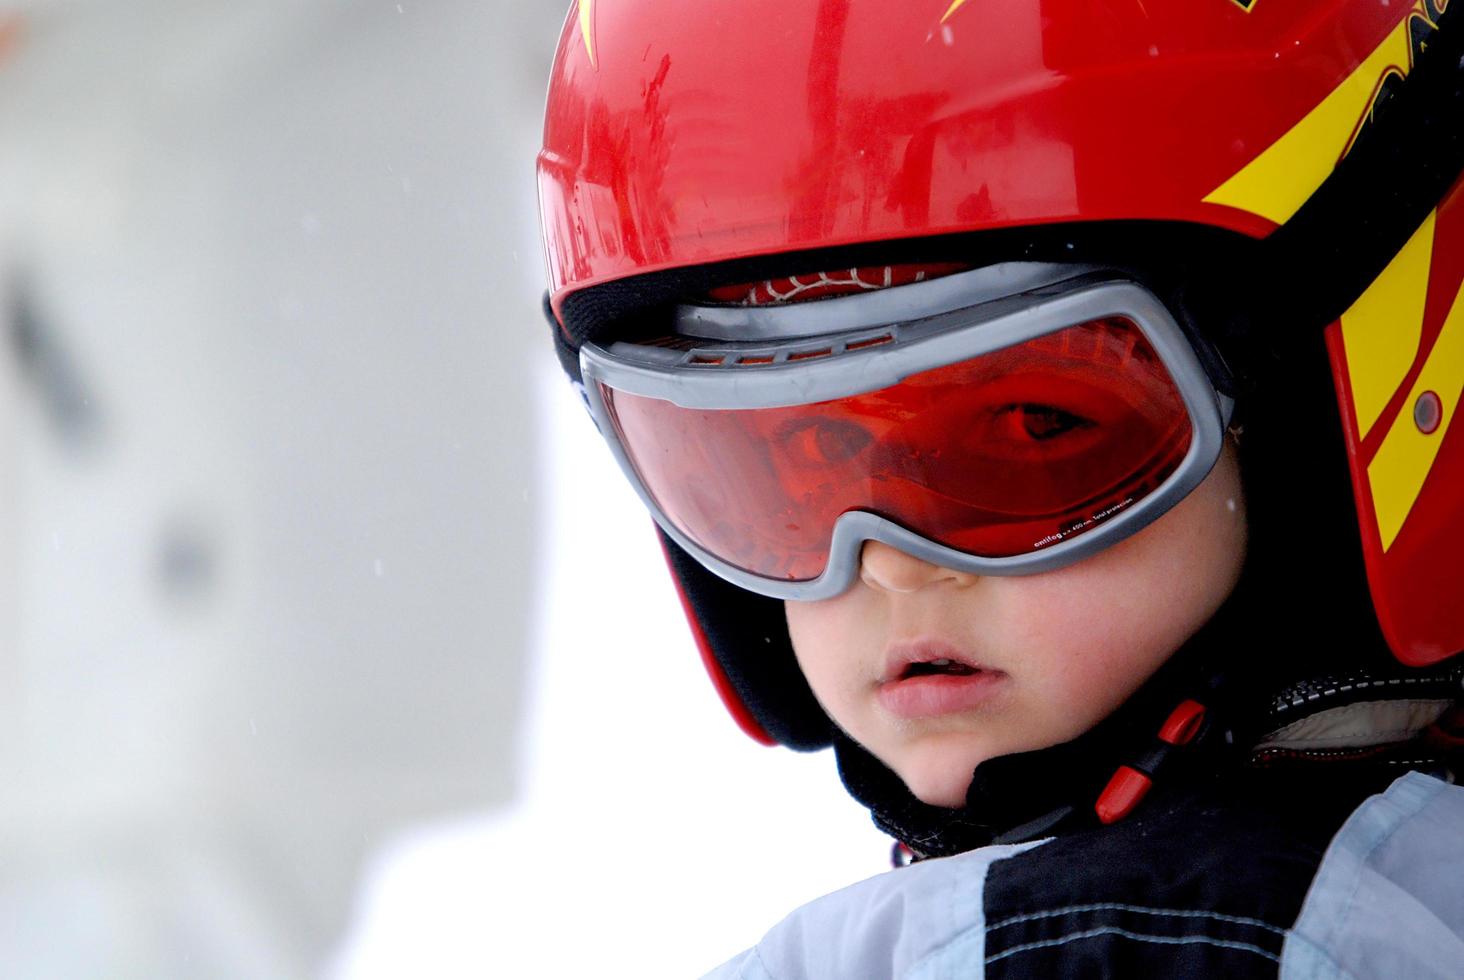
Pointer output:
x,y
1155,741
1024,796
1104,775
1028,795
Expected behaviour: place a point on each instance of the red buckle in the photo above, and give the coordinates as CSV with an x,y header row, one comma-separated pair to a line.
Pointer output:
x,y
1129,785
1123,792
1183,723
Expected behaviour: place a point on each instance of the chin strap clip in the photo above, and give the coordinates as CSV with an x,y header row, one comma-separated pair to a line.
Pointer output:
x,y
1131,783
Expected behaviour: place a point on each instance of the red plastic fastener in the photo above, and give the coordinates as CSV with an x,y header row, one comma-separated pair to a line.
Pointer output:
x,y
1183,723
1123,792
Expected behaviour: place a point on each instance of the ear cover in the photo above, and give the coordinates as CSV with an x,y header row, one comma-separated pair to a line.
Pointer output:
x,y
746,634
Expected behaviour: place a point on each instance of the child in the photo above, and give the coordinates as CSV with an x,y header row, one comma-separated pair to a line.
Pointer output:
x,y
1001,377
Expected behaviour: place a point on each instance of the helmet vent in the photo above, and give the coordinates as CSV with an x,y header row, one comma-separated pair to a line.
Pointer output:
x,y
710,357
834,282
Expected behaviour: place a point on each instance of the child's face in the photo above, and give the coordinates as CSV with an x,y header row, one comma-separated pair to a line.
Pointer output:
x,y
1057,651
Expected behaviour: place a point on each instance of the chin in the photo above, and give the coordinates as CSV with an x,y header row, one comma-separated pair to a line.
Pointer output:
x,y
939,785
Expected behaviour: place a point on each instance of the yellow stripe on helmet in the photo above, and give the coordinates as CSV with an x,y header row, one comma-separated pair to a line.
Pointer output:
x,y
1277,183
1381,331
1396,474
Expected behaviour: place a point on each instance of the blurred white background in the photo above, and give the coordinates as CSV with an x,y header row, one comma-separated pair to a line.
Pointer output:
x,y
331,643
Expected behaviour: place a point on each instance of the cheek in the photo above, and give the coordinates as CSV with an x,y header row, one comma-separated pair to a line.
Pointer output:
x,y
1080,656
821,632
1102,627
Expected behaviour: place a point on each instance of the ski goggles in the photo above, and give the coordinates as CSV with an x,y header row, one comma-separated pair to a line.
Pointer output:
x,y
1009,420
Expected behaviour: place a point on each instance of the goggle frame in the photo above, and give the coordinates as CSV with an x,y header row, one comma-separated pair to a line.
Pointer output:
x,y
801,357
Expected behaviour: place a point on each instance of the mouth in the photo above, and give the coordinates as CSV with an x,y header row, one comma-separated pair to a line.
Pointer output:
x,y
942,665
928,678
926,658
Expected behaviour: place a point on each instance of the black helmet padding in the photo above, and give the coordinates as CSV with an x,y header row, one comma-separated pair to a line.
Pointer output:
x,y
747,636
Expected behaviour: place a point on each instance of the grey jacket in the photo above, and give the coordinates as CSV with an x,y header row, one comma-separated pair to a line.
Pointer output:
x,y
1195,889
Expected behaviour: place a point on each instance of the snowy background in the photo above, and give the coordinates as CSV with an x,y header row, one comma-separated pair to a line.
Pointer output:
x,y
331,644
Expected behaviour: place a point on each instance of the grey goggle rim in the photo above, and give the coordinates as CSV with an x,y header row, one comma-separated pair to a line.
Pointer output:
x,y
934,339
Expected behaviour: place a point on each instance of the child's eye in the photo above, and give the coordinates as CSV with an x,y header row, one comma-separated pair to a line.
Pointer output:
x,y
825,441
1039,422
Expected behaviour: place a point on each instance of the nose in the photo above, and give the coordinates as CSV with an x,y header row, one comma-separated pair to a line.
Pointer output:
x,y
884,567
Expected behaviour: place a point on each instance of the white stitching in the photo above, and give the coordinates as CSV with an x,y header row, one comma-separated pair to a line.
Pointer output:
x,y
798,284
1119,907
1297,702
1115,931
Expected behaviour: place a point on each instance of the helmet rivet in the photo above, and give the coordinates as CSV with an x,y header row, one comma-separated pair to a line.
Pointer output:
x,y
1428,412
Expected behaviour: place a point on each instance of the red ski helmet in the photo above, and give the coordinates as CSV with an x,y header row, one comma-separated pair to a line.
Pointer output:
x,y
1294,165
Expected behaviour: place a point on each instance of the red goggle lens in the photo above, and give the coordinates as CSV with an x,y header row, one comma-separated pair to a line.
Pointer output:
x,y
1000,455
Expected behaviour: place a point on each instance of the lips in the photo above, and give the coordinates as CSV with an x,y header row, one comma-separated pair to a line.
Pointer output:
x,y
912,657
927,678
